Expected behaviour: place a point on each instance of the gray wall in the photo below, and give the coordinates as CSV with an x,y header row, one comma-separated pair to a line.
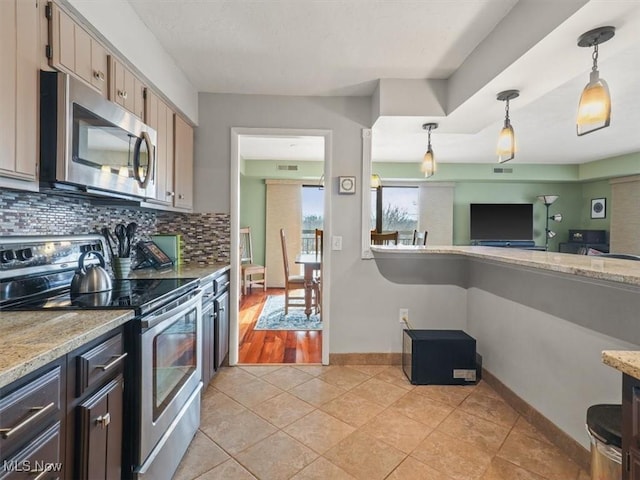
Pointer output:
x,y
364,305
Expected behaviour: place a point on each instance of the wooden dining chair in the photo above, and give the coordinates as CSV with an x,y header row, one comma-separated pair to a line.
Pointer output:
x,y
419,238
384,238
252,273
291,282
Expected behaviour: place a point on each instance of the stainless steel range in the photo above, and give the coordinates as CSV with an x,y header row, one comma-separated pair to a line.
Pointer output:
x,y
163,342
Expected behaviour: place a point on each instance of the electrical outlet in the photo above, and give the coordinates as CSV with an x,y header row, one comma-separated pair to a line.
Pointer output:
x,y
403,315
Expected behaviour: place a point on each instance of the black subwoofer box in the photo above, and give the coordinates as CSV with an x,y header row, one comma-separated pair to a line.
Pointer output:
x,y
440,357
588,236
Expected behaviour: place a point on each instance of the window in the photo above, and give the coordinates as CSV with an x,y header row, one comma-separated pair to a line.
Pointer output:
x,y
400,210
312,215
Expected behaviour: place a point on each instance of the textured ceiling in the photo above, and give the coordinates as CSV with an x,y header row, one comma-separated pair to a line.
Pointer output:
x,y
479,47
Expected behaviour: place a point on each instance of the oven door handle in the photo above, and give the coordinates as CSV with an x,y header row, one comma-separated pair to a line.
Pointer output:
x,y
153,321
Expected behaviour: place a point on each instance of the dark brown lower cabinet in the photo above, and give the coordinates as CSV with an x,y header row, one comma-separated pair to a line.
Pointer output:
x,y
100,433
630,428
39,459
95,403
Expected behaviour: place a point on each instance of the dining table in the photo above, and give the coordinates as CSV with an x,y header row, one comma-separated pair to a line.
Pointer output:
x,y
311,263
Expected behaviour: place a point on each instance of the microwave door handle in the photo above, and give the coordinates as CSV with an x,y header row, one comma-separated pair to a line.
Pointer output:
x,y
143,182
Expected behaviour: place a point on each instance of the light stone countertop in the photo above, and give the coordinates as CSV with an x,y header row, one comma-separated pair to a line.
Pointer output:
x,y
182,271
31,339
611,269
627,361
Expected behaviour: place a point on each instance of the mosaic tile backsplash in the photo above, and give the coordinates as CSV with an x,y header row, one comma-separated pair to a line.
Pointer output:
x,y
205,236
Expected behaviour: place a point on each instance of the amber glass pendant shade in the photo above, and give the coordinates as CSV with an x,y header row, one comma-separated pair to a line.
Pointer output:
x,y
506,144
594,109
428,166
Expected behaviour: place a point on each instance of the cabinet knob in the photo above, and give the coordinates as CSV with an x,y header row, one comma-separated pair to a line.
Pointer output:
x,y
103,420
98,75
181,197
171,194
122,94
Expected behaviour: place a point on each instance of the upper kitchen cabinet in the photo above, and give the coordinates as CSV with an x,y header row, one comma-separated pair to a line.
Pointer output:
x,y
19,94
125,88
73,50
183,174
159,116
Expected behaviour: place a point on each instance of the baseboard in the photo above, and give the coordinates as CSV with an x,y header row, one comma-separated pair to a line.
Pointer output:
x,y
555,435
365,358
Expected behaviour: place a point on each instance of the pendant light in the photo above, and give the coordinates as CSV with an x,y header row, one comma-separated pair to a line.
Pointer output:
x,y
507,141
428,166
594,109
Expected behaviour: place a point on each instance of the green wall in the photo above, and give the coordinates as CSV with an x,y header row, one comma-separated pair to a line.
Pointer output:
x,y
574,203
575,185
253,201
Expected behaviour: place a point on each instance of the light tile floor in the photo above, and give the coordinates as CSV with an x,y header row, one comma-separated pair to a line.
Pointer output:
x,y
362,422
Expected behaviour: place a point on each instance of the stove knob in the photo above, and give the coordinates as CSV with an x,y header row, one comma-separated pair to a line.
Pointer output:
x,y
24,254
7,255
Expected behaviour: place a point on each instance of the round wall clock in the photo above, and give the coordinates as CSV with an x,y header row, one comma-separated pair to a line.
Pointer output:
x,y
347,185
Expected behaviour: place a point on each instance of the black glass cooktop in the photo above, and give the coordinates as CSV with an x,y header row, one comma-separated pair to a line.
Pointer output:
x,y
142,295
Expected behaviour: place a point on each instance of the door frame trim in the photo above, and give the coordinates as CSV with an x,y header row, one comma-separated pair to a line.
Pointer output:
x,y
234,182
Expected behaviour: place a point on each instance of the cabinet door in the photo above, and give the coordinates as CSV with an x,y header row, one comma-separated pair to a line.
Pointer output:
x,y
19,90
125,88
83,67
634,465
183,164
100,433
99,67
222,328
160,117
117,92
39,459
63,42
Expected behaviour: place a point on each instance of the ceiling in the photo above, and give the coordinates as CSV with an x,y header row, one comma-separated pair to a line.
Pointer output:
x,y
477,48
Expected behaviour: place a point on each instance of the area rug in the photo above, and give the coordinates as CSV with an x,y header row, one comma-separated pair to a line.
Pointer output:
x,y
272,317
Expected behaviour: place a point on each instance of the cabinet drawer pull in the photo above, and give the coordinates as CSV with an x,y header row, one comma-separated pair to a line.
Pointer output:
x,y
37,413
103,420
98,75
41,474
112,363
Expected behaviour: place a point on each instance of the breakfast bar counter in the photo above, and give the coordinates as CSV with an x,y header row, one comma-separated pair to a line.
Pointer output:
x,y
602,268
627,361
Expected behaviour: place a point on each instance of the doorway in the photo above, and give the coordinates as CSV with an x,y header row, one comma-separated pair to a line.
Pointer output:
x,y
265,163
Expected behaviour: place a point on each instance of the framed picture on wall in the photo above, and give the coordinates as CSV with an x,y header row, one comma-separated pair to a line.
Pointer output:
x,y
598,208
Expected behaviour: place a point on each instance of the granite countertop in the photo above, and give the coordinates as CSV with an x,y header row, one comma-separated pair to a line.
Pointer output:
x,y
31,339
26,339
612,269
182,271
627,361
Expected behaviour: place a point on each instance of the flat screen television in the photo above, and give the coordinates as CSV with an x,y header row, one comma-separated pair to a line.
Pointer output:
x,y
501,221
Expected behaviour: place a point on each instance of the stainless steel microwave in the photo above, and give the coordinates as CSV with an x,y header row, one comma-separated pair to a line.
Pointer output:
x,y
90,145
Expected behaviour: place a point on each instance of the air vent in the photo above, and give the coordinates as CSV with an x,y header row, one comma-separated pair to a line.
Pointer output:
x,y
288,167
502,170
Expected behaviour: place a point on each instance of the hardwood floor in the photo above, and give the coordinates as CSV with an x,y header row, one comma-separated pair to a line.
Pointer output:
x,y
273,346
